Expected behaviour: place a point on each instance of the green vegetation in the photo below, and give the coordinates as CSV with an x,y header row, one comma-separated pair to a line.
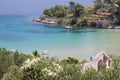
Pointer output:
x,y
19,66
10,58
78,10
72,4
77,15
57,11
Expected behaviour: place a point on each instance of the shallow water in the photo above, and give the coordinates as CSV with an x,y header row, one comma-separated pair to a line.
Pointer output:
x,y
19,32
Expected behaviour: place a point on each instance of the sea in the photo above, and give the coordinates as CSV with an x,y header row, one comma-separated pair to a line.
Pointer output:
x,y
20,33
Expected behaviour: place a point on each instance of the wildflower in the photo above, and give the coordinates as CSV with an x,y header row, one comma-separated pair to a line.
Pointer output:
x,y
28,63
52,74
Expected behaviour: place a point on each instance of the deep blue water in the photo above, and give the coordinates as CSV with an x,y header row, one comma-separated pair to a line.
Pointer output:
x,y
19,32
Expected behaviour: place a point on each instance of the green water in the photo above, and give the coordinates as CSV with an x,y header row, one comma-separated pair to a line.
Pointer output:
x,y
19,32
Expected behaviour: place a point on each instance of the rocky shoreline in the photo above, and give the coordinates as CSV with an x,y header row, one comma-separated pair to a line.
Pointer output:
x,y
53,21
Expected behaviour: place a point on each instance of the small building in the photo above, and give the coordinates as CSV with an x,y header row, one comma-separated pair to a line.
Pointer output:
x,y
100,58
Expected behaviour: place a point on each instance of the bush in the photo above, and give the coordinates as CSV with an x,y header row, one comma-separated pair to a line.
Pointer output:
x,y
13,73
73,21
44,68
10,58
57,11
93,24
84,23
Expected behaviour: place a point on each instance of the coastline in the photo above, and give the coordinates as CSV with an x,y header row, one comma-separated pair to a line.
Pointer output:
x,y
57,40
51,21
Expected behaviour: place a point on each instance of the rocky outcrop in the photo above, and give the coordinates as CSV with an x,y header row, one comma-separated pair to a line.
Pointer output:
x,y
103,23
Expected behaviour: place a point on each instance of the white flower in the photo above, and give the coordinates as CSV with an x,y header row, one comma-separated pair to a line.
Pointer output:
x,y
60,68
45,69
33,61
116,5
29,62
52,74
48,72
55,64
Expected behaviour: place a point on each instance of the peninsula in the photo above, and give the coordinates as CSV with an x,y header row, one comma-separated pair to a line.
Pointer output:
x,y
103,14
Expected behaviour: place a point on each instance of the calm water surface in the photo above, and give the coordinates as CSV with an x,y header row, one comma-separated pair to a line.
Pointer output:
x,y
19,32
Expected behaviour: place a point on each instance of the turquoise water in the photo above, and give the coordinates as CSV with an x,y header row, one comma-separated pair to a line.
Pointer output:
x,y
19,32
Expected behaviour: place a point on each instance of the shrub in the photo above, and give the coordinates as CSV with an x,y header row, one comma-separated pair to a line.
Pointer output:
x,y
73,21
93,24
84,23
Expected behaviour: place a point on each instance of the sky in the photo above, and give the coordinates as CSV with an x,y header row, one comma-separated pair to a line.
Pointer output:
x,y
33,7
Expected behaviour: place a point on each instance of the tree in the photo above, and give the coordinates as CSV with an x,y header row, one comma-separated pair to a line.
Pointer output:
x,y
79,10
60,11
117,14
9,58
98,6
90,74
57,11
6,60
35,53
73,21
70,60
47,12
19,58
71,8
13,73
84,23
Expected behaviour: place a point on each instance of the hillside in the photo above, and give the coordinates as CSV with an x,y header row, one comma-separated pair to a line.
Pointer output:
x,y
99,15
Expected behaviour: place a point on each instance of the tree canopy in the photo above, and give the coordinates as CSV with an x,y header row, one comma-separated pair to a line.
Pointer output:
x,y
79,10
57,11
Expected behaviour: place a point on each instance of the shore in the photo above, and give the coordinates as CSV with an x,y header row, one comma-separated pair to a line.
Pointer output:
x,y
55,22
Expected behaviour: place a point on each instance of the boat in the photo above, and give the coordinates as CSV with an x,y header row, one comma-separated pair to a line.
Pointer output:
x,y
45,52
68,27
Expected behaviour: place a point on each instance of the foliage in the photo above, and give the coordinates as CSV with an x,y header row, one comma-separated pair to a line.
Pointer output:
x,y
79,10
57,11
116,62
84,23
70,61
89,10
50,69
93,24
35,53
73,21
19,58
83,61
101,66
13,73
10,58
117,14
110,10
44,68
41,68
90,74
6,60
98,6
71,72
71,8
